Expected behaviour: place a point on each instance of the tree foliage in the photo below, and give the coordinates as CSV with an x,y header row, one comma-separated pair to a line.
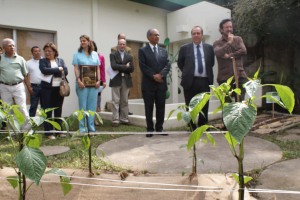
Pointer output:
x,y
273,20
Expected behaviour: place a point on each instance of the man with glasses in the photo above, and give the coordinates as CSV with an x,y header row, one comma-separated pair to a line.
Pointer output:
x,y
155,65
34,71
227,47
13,71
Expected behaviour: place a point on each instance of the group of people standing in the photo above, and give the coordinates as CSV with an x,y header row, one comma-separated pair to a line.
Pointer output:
x,y
195,60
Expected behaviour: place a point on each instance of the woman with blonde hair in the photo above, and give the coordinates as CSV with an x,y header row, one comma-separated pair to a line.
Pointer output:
x,y
87,96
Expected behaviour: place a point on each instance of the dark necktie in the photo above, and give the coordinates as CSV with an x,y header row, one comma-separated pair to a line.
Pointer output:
x,y
155,53
199,58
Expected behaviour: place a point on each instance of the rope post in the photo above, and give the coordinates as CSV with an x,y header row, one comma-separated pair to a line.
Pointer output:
x,y
90,148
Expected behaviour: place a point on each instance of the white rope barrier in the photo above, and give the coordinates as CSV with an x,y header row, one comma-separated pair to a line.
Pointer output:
x,y
170,189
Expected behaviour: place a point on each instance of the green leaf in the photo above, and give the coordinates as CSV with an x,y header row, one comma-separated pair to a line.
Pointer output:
x,y
20,117
15,106
251,87
196,135
202,161
211,139
274,99
99,118
91,112
13,180
167,41
183,146
32,163
186,116
230,140
38,120
73,117
2,118
64,181
246,178
197,103
179,116
183,172
36,142
171,113
179,90
256,74
203,140
80,116
237,90
266,74
238,119
74,137
229,80
103,154
86,141
65,184
50,109
16,124
55,124
286,96
219,108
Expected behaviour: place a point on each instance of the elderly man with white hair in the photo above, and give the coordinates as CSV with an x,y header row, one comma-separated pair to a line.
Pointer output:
x,y
13,69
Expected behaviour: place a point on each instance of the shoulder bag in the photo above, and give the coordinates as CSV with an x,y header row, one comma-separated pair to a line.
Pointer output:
x,y
64,88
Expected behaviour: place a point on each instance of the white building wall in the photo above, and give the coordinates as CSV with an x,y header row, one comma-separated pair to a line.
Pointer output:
x,y
72,18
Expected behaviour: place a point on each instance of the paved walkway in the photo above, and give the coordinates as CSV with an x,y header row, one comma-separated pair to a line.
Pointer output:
x,y
161,154
281,176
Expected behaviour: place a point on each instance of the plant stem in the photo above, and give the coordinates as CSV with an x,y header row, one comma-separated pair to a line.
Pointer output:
x,y
90,147
241,171
195,161
19,186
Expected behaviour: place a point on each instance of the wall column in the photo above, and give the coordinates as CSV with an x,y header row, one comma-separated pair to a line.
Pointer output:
x,y
95,22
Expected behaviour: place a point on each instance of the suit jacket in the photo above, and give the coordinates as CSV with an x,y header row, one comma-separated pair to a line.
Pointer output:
x,y
45,67
117,64
186,63
150,66
127,49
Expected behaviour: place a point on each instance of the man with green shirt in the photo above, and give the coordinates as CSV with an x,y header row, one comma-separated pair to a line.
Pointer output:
x,y
13,69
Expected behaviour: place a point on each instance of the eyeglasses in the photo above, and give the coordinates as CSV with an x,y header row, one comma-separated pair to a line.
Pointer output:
x,y
48,51
155,34
11,45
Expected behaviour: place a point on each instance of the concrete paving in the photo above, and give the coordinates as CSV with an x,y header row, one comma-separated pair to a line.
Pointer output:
x,y
54,150
291,137
161,154
294,131
281,176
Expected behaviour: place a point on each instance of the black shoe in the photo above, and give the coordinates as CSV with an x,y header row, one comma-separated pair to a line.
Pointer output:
x,y
129,113
149,135
162,131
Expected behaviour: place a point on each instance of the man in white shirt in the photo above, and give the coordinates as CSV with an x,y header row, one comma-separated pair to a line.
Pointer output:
x,y
34,71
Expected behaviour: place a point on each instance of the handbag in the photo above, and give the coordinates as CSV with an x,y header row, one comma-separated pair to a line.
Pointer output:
x,y
64,88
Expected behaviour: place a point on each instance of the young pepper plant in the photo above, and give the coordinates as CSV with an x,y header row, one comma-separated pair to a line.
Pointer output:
x,y
238,117
188,116
30,161
79,115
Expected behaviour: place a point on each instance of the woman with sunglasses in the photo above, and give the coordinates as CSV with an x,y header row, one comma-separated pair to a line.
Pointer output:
x,y
52,66
87,96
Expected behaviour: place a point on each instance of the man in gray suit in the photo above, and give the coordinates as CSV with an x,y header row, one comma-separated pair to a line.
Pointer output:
x,y
120,84
196,61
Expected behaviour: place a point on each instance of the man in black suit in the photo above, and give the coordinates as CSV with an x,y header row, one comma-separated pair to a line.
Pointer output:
x,y
196,61
120,84
155,66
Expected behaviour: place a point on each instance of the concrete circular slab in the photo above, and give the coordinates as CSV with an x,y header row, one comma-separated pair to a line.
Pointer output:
x,y
54,150
292,137
161,154
281,176
294,131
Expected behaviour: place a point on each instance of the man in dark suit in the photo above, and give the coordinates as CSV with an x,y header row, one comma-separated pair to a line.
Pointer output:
x,y
120,84
155,66
196,61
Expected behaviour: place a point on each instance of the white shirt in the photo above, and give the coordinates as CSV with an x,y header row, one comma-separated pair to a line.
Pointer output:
x,y
196,73
55,80
153,49
34,70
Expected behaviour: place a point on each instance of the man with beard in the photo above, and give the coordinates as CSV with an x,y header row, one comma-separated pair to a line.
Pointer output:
x,y
225,48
